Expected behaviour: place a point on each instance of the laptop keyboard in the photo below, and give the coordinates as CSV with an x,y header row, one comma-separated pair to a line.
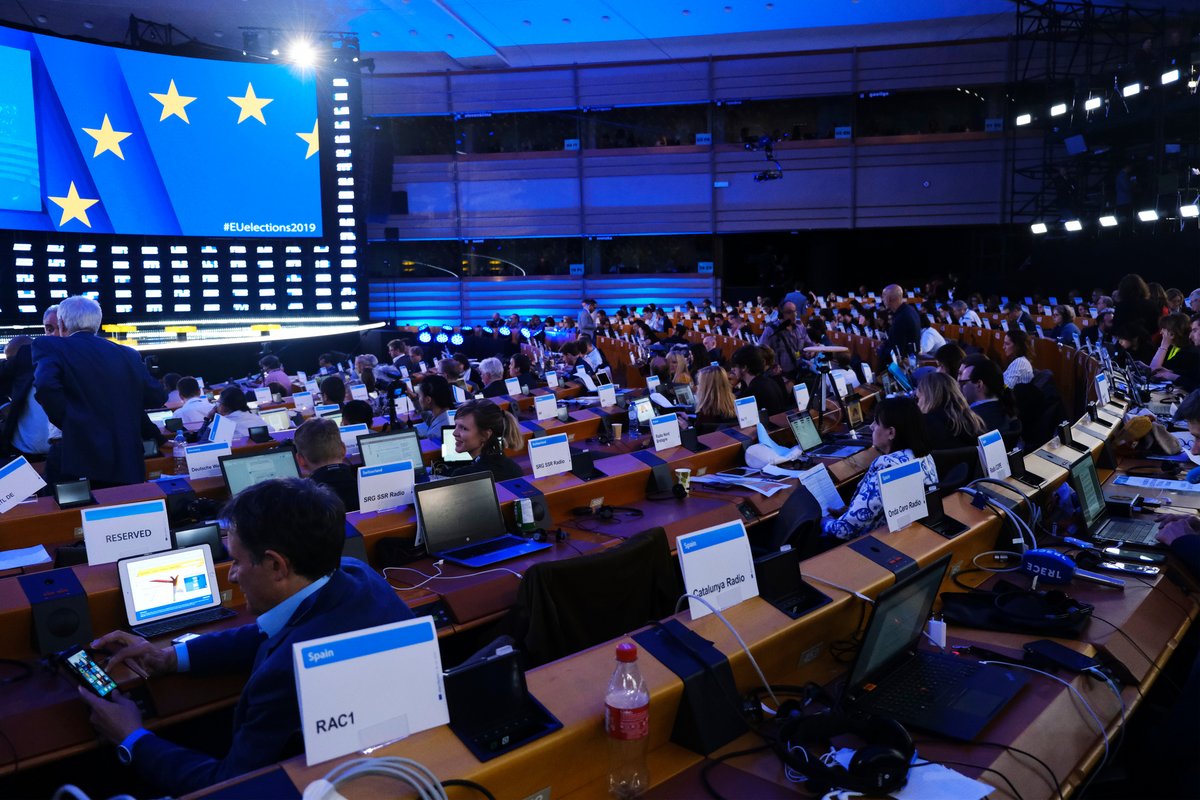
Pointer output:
x,y
1125,530
918,683
152,629
483,548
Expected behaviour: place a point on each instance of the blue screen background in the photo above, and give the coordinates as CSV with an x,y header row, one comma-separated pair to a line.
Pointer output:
x,y
175,178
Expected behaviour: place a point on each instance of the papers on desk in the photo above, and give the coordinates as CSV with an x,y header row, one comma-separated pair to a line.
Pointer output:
x,y
766,488
23,557
1155,483
818,481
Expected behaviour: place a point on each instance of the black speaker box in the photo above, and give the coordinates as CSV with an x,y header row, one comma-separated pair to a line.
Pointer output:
x,y
61,617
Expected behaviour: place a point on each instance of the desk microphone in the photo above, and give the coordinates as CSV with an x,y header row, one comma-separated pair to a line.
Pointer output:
x,y
1051,566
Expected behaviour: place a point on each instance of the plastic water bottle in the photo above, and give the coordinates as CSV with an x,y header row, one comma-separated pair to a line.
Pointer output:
x,y
179,453
627,723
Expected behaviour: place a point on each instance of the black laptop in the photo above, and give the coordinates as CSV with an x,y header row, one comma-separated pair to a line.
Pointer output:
x,y
1100,525
809,439
392,446
460,520
491,709
942,694
243,471
209,534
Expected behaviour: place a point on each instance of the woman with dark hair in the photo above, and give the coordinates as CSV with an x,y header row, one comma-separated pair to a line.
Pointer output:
x,y
434,400
1134,308
233,407
1016,350
273,373
1066,331
898,433
1176,359
482,429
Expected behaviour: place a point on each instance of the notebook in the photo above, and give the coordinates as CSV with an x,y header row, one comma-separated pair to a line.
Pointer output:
x,y
390,447
491,709
450,453
241,472
934,692
810,440
170,591
1099,525
459,519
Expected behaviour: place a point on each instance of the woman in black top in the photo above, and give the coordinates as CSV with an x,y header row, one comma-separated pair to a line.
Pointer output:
x,y
1176,359
482,429
949,421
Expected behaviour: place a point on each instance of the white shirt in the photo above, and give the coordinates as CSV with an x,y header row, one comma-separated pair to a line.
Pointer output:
x,y
244,421
931,340
595,358
969,317
193,412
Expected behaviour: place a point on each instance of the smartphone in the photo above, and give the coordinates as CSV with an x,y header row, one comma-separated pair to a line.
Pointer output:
x,y
85,670
1045,653
1145,570
1134,556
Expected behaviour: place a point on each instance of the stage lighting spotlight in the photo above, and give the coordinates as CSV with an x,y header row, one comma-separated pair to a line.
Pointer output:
x,y
1170,76
526,332
302,53
1131,90
442,338
1038,228
1108,221
424,337
1024,119
1073,225
1058,109
1092,103
456,339
505,330
1190,210
1149,215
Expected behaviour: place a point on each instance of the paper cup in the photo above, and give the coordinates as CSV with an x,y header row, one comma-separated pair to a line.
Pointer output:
x,y
684,478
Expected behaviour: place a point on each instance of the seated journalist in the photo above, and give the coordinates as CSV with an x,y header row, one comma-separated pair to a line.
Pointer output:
x,y
285,542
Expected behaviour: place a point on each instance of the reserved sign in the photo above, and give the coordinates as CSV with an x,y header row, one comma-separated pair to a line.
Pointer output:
x,y
115,532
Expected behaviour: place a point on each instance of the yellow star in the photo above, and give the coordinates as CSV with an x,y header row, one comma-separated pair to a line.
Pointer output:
x,y
73,206
250,105
173,104
107,140
311,138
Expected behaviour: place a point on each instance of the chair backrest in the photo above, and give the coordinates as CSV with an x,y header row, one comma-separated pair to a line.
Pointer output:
x,y
798,518
956,466
566,606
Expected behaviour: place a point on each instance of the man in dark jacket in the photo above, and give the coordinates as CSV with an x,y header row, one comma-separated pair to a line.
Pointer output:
x,y
285,542
904,334
94,393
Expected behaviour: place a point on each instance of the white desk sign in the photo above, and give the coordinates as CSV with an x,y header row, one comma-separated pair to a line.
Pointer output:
x,y
512,386
403,405
350,434
665,430
902,489
747,411
221,429
1102,393
545,406
552,379
115,532
262,395
992,456
450,415
421,367
200,382
364,688
549,455
460,396
18,481
385,486
301,377
802,398
327,408
868,376
312,388
652,383
718,566
839,383
303,401
358,391
608,395
202,459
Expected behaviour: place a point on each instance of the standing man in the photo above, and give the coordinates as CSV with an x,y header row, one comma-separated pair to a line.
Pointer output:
x,y
587,322
787,339
904,334
94,392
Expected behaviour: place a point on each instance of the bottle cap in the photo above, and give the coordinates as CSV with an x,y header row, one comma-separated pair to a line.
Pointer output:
x,y
626,651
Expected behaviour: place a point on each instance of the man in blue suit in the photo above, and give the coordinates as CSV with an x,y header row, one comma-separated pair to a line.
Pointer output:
x,y
94,393
285,542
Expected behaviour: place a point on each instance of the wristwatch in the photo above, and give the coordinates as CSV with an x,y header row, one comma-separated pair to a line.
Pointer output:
x,y
124,755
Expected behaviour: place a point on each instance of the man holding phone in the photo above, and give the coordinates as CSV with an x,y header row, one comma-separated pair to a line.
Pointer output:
x,y
285,543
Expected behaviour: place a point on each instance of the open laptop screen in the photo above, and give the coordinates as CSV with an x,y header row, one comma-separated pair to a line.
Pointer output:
x,y
459,511
279,419
242,472
168,584
1086,484
897,621
388,448
804,430
449,454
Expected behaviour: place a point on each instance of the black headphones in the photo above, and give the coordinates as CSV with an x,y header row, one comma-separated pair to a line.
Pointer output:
x,y
543,535
1041,608
677,493
607,512
881,766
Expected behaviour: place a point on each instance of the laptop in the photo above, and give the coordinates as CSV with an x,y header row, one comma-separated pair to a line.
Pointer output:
x,y
449,453
171,591
684,396
209,534
243,471
73,494
279,419
459,519
393,446
159,416
935,692
1096,520
491,709
810,440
